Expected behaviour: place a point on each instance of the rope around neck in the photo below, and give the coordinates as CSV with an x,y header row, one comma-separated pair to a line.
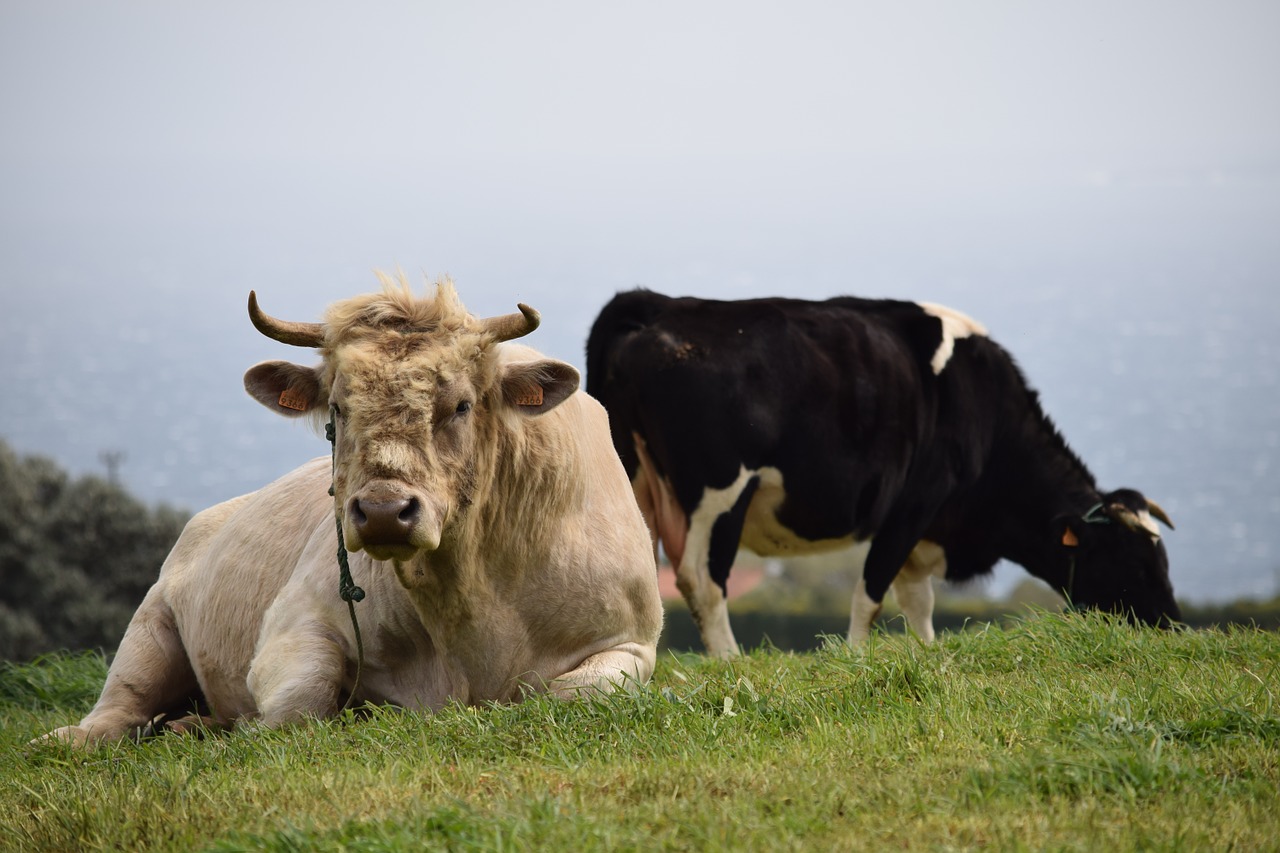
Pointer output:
x,y
347,588
1092,516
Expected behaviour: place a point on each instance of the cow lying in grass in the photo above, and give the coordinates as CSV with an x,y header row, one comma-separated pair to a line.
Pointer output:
x,y
488,520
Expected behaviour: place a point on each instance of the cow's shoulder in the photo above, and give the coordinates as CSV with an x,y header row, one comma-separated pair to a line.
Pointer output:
x,y
194,540
250,542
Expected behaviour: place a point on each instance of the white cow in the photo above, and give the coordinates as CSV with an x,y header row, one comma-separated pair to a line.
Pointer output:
x,y
489,522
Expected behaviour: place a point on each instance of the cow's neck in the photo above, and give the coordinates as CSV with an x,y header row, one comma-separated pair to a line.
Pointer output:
x,y
473,625
472,593
1039,479
442,588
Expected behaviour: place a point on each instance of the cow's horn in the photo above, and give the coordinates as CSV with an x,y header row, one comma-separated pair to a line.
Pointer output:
x,y
1159,514
294,334
510,326
1126,516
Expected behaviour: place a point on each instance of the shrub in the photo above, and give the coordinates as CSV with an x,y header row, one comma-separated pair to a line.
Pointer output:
x,y
76,555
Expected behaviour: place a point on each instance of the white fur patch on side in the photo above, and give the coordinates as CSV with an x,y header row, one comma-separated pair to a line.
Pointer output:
x,y
768,537
955,325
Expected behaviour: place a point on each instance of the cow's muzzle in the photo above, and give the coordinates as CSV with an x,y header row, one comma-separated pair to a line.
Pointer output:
x,y
386,522
390,523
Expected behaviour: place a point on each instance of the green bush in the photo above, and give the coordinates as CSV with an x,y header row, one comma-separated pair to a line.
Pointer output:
x,y
76,557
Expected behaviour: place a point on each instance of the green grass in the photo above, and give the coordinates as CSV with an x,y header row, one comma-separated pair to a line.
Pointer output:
x,y
1057,732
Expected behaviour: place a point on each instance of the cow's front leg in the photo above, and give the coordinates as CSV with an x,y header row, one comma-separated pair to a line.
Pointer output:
x,y
862,613
890,553
715,529
913,587
627,665
297,674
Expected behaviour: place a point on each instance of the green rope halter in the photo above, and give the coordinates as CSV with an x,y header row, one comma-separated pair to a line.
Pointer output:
x,y
1094,515
347,588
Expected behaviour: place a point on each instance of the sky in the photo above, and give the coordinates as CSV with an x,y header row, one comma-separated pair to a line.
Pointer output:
x,y
1098,182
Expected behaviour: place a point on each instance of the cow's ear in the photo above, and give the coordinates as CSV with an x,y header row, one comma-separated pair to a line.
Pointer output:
x,y
286,389
1067,531
537,387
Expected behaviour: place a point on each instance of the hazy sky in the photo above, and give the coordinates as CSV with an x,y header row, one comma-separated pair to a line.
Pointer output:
x,y
477,137
390,87
1073,174
648,140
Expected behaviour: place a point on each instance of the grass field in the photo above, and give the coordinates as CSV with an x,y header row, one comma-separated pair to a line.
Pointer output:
x,y
1057,732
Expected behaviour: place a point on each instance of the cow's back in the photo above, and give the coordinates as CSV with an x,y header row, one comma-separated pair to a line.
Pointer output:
x,y
829,393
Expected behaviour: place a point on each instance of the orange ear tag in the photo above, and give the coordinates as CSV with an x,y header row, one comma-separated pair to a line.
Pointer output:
x,y
531,397
1069,538
290,399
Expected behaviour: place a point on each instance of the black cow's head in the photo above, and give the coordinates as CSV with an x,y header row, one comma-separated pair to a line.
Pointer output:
x,y
1115,560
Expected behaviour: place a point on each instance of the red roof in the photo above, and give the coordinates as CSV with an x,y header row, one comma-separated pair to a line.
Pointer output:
x,y
744,578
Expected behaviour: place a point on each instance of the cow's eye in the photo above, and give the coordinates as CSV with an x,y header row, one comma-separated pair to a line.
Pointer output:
x,y
464,406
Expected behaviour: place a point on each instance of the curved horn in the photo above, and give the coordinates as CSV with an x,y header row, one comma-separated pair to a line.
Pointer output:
x,y
294,334
1159,514
1134,521
510,326
1125,516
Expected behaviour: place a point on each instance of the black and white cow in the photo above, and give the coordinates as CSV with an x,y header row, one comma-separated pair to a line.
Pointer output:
x,y
897,429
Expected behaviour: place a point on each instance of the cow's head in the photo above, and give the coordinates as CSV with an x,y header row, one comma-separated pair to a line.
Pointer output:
x,y
419,397
1115,560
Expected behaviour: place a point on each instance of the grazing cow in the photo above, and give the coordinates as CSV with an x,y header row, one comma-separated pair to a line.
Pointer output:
x,y
489,522
898,429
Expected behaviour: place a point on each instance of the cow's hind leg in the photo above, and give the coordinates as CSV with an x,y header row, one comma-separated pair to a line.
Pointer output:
x,y
715,530
627,666
150,675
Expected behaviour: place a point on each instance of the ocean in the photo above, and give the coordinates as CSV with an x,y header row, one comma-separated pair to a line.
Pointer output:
x,y
1146,320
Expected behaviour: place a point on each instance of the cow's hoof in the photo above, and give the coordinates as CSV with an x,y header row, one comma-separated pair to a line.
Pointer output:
x,y
192,724
73,735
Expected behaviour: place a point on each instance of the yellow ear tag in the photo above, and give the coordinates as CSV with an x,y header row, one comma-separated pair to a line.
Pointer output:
x,y
290,399
531,397
1069,538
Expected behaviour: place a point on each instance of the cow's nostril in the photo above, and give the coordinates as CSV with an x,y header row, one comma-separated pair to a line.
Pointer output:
x,y
411,513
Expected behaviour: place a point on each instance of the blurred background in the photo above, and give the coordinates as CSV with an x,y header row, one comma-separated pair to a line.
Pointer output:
x,y
1098,182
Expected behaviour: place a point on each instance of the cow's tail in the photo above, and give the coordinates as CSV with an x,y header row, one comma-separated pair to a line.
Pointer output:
x,y
627,312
